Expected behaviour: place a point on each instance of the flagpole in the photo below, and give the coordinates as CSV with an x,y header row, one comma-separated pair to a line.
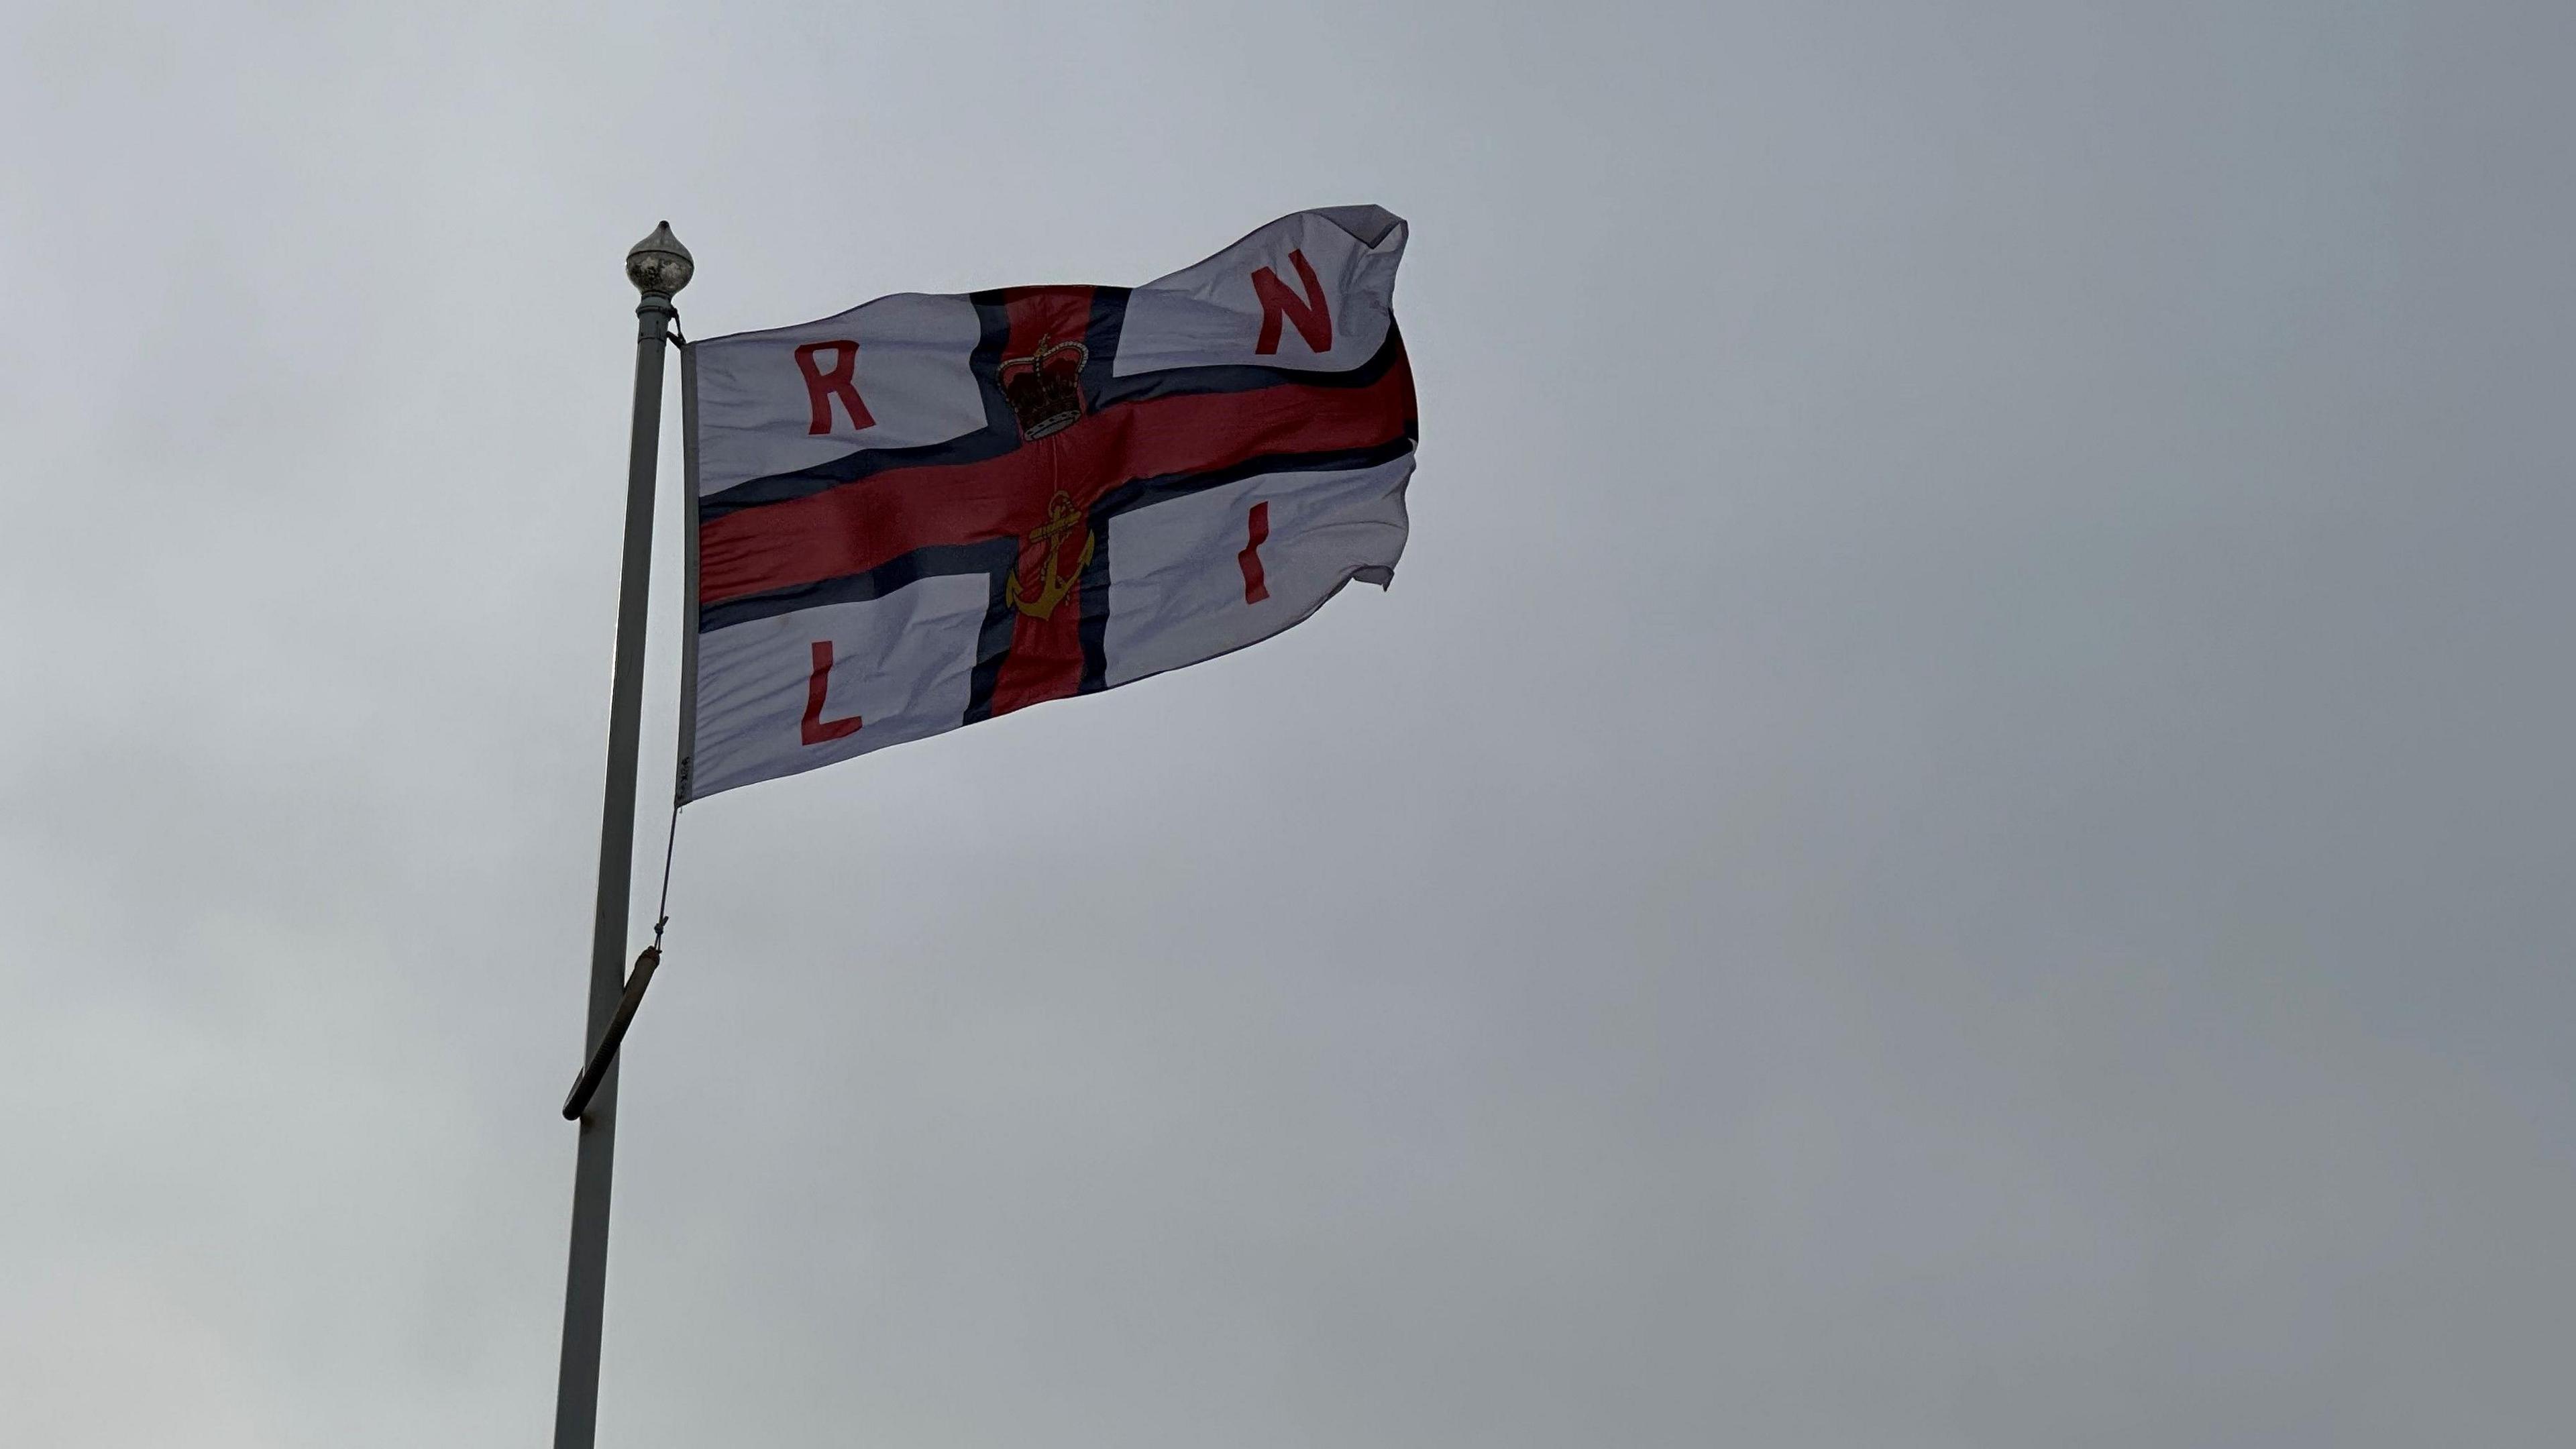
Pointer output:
x,y
659,267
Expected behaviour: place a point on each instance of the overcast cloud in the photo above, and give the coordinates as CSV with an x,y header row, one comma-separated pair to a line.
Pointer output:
x,y
1955,831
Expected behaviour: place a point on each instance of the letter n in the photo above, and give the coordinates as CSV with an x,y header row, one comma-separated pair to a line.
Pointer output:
x,y
821,386
816,729
1314,321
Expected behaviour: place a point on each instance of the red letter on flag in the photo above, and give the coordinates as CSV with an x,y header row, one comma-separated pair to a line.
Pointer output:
x,y
1255,587
1314,321
814,727
821,387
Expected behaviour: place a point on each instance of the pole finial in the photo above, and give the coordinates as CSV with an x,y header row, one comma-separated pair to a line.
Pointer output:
x,y
658,265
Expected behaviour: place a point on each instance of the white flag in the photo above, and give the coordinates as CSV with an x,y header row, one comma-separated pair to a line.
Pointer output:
x,y
930,510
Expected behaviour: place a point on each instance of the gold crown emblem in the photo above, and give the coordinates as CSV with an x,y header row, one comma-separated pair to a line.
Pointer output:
x,y
1045,387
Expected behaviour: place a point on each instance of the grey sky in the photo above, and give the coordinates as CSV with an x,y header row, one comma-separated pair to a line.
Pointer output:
x,y
1955,831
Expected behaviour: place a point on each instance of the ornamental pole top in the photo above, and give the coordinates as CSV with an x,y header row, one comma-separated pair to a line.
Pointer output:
x,y
658,265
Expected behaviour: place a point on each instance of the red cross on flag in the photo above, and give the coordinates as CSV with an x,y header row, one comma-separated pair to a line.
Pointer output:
x,y
930,510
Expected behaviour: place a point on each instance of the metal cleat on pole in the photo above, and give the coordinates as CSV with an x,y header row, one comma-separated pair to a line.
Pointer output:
x,y
602,1055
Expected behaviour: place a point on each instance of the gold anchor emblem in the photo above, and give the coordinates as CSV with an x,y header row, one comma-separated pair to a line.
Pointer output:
x,y
1062,518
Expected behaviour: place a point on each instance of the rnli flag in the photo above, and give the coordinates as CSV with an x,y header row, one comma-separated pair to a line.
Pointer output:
x,y
930,510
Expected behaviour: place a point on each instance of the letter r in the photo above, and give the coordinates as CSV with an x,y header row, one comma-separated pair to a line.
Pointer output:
x,y
821,386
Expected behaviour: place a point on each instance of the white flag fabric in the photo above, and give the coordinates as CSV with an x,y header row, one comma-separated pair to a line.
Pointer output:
x,y
930,510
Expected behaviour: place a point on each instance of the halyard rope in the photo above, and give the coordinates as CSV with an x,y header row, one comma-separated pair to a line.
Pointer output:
x,y
662,907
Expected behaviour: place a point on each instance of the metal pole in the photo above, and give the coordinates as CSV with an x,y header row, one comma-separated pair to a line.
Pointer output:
x,y
659,267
